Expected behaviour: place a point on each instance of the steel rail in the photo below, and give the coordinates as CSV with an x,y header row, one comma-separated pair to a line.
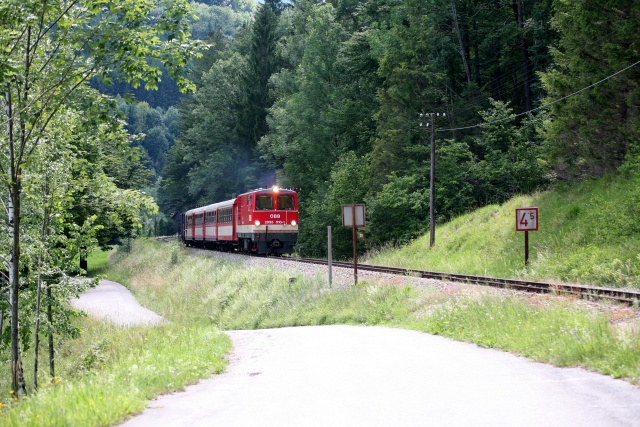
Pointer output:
x,y
582,291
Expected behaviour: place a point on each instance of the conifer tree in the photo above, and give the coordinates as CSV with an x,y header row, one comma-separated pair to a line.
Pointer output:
x,y
261,64
590,133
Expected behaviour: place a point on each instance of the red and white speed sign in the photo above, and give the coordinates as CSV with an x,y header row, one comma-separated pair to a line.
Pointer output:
x,y
527,219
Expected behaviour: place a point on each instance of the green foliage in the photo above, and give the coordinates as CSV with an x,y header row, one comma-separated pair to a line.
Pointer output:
x,y
209,161
223,16
347,183
457,179
48,53
261,64
590,134
398,213
508,157
304,142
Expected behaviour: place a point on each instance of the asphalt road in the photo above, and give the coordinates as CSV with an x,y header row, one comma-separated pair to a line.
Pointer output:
x,y
373,376
112,302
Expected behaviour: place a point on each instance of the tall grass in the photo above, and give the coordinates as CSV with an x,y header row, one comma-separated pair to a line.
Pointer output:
x,y
228,295
110,372
557,334
98,263
118,372
588,233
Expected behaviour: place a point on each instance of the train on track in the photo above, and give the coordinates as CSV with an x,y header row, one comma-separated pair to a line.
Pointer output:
x,y
262,221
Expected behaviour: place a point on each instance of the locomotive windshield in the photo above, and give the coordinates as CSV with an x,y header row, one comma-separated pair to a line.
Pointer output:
x,y
264,202
285,203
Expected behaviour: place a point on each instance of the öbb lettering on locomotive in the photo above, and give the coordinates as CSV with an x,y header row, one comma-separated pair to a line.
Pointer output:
x,y
263,221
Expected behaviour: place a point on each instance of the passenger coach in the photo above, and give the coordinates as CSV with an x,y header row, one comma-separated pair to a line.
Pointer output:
x,y
263,221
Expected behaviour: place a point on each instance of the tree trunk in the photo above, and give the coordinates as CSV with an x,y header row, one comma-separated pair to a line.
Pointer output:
x,y
462,47
518,7
52,370
476,46
17,376
496,75
36,347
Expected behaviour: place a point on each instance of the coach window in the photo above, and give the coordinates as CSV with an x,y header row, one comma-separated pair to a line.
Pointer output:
x,y
285,203
264,202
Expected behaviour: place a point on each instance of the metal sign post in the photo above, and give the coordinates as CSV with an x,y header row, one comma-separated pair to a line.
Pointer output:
x,y
526,220
329,253
353,216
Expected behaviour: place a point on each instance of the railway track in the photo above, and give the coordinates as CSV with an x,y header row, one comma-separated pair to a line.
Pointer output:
x,y
584,292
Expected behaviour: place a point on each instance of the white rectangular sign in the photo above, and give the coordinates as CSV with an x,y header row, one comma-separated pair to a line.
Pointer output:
x,y
527,219
347,215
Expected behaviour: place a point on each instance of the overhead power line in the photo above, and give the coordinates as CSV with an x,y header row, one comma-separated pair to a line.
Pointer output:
x,y
545,105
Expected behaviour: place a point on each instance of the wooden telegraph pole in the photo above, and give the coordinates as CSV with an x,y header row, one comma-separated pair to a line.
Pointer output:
x,y
428,120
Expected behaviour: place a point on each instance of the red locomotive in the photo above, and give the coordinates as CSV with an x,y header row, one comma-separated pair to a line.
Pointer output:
x,y
263,221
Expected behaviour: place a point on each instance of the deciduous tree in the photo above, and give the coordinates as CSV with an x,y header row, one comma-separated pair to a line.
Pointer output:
x,y
50,49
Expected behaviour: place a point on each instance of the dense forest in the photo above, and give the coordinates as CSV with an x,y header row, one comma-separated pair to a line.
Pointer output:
x,y
325,97
109,108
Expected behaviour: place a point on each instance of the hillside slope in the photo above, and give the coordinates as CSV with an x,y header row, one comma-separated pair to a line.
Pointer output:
x,y
589,233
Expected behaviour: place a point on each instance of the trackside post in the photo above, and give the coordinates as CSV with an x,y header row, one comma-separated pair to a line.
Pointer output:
x,y
353,216
329,252
526,220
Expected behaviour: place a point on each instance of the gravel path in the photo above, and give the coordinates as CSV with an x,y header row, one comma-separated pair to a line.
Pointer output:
x,y
112,302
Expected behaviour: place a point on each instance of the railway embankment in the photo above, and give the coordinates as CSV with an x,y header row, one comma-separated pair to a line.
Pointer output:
x,y
588,233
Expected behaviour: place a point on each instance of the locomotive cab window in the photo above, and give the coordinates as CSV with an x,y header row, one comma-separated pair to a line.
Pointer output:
x,y
285,203
264,202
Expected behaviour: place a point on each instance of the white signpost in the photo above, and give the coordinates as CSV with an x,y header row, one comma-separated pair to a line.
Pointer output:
x,y
526,220
353,216
349,211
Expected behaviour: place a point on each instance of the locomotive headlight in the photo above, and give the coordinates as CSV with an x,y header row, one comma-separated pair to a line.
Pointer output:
x,y
257,223
294,223
275,188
